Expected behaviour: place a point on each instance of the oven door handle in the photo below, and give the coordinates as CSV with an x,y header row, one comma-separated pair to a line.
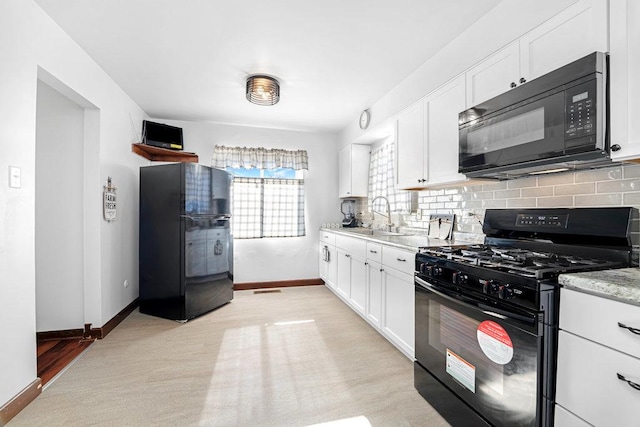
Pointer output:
x,y
519,318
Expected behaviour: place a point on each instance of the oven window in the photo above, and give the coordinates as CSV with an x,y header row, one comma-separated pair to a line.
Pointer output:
x,y
451,344
521,129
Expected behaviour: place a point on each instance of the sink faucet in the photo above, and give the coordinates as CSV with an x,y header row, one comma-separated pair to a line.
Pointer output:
x,y
388,216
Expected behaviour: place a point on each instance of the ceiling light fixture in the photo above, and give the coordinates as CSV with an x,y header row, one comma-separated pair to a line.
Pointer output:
x,y
263,90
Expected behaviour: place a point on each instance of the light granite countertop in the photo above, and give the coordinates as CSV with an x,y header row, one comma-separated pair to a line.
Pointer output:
x,y
618,284
405,241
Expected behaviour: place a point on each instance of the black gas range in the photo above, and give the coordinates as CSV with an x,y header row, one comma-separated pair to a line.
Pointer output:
x,y
487,314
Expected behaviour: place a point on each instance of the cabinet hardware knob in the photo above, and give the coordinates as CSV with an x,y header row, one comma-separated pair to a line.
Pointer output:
x,y
631,383
347,255
632,330
523,80
513,84
366,263
373,252
615,147
382,269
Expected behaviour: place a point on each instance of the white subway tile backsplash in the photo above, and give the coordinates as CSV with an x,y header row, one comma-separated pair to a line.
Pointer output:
x,y
617,185
523,182
620,186
555,179
537,192
586,188
521,203
631,170
507,194
599,200
555,202
604,174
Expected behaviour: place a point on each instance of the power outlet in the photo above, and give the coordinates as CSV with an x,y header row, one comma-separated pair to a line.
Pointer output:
x,y
15,177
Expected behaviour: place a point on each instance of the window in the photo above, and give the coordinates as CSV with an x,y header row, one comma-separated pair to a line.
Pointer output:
x,y
267,203
382,181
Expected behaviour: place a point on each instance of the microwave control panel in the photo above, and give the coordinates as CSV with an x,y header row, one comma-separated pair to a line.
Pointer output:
x,y
580,110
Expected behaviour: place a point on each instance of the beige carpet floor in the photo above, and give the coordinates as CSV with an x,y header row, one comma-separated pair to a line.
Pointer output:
x,y
296,357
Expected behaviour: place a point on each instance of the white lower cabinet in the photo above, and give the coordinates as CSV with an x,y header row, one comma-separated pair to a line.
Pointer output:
x,y
328,266
376,281
374,294
399,301
358,295
598,362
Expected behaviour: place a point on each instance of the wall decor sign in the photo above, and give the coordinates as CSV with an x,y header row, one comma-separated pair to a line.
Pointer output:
x,y
109,201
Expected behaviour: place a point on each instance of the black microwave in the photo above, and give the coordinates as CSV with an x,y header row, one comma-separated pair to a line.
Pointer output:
x,y
558,121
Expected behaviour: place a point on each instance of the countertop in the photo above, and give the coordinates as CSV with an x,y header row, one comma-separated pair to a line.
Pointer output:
x,y
405,241
618,284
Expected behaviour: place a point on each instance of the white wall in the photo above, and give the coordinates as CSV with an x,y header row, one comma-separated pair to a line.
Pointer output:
x,y
58,207
503,24
32,46
293,258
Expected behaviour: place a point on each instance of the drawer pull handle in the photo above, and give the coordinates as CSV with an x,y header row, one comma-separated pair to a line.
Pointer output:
x,y
632,330
347,255
372,251
401,260
631,383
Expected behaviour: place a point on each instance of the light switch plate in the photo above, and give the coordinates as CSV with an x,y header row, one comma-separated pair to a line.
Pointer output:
x,y
14,177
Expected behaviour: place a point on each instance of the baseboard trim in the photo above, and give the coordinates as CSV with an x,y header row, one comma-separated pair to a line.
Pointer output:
x,y
277,284
115,321
89,333
20,401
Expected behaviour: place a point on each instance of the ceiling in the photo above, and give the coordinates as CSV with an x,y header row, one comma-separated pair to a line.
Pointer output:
x,y
189,59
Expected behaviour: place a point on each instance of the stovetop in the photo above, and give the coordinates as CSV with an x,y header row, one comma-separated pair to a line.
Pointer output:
x,y
522,262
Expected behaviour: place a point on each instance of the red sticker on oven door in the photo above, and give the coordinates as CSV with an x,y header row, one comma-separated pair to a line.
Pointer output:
x,y
495,342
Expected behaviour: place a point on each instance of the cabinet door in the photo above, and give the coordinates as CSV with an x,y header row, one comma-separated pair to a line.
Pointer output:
x,y
358,283
343,280
494,75
374,292
441,123
398,316
323,262
575,32
344,172
332,268
353,171
625,84
410,147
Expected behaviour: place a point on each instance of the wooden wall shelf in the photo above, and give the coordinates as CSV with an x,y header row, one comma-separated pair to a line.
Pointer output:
x,y
156,154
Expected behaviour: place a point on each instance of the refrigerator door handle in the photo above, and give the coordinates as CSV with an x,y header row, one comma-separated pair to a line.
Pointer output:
x,y
217,217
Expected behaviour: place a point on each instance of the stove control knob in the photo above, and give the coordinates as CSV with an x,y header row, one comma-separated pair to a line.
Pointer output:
x,y
424,268
459,278
489,287
505,292
436,271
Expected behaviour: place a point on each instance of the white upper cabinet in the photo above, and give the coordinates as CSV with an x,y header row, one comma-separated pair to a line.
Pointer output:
x,y
494,75
575,32
353,171
441,130
625,83
411,161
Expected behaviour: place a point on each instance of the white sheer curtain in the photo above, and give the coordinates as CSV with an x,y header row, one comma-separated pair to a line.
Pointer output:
x,y
260,158
382,181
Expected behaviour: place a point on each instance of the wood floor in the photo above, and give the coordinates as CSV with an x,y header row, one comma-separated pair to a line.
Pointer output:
x,y
56,354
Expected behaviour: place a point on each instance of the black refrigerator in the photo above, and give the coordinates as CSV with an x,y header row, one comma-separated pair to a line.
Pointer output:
x,y
185,240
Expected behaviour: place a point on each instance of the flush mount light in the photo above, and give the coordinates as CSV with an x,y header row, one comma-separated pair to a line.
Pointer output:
x,y
263,90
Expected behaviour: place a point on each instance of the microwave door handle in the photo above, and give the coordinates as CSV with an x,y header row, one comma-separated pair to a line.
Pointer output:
x,y
479,306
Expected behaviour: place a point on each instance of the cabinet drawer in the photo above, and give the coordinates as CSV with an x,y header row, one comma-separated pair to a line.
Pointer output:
x,y
588,383
374,252
327,237
398,259
564,418
597,319
353,246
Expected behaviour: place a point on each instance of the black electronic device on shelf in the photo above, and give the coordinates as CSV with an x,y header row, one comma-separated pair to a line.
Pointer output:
x,y
162,135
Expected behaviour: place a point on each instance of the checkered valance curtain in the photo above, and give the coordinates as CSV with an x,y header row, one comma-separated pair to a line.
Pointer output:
x,y
268,207
260,158
382,181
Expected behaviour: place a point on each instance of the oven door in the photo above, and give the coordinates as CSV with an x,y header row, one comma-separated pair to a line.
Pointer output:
x,y
488,358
